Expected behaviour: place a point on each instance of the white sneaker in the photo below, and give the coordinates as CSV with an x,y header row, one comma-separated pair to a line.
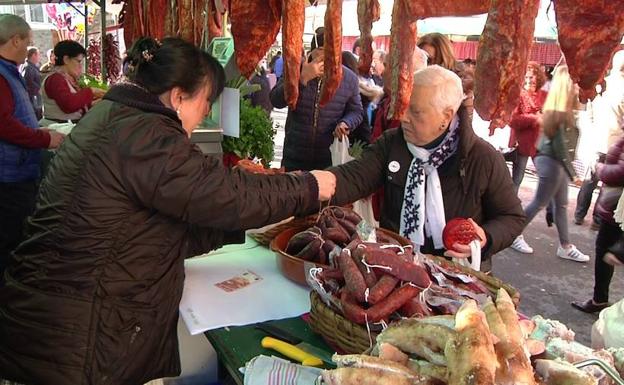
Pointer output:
x,y
572,253
519,244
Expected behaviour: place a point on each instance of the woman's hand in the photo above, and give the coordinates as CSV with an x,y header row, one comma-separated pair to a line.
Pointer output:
x,y
341,130
326,182
463,251
98,93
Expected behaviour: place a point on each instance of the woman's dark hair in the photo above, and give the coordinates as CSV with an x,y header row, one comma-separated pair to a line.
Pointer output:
x,y
349,61
159,67
68,48
444,55
357,44
318,39
539,72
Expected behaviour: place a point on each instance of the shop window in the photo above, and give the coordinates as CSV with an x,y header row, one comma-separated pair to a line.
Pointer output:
x,y
36,14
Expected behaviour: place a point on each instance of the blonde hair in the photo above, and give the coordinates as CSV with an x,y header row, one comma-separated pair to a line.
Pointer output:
x,y
560,102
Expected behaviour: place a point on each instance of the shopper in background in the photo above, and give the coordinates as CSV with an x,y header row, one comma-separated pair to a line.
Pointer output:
x,y
310,129
49,65
439,49
32,77
608,121
378,67
526,121
555,152
21,140
609,238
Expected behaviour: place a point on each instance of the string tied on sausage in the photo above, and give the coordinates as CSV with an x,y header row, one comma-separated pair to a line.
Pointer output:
x,y
375,266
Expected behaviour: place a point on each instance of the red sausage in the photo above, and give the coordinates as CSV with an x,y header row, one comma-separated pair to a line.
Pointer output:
x,y
382,289
354,282
392,303
328,274
398,267
351,309
370,278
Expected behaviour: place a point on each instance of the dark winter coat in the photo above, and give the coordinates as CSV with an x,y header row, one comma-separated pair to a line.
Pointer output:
x,y
309,128
611,173
261,97
91,297
475,184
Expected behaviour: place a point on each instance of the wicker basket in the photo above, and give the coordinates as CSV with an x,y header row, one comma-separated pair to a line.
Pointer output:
x,y
265,237
351,338
340,333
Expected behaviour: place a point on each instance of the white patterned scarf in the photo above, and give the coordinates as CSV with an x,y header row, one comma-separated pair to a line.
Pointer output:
x,y
423,206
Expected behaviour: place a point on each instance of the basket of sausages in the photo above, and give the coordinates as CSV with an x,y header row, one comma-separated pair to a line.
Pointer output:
x,y
368,285
309,243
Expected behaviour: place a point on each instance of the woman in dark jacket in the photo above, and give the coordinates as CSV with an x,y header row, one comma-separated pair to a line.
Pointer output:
x,y
92,295
609,238
460,173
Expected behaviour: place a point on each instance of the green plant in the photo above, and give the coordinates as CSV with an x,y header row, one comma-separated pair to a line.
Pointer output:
x,y
87,81
356,149
256,135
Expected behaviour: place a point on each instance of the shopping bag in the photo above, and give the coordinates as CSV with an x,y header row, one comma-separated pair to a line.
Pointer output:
x,y
340,155
340,151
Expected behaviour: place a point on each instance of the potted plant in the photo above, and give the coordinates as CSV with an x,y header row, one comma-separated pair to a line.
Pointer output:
x,y
256,134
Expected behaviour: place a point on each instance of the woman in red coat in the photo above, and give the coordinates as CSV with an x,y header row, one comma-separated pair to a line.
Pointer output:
x,y
526,120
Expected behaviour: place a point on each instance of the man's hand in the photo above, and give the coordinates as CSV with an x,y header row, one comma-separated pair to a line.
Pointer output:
x,y
463,251
341,130
327,184
312,70
55,139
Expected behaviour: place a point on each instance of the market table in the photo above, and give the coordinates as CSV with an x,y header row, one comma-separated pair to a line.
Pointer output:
x,y
235,346
273,300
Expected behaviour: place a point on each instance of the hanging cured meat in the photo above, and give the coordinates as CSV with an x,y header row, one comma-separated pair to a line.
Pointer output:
x,y
200,11
590,32
502,58
133,21
215,20
293,22
156,19
185,14
333,51
402,44
434,8
368,12
254,27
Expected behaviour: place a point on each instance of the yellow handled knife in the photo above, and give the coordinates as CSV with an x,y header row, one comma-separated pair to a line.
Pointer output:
x,y
291,351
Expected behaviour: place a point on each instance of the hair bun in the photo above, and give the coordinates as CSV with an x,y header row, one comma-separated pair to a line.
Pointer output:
x,y
143,51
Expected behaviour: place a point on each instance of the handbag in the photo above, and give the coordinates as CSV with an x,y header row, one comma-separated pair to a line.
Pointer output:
x,y
510,154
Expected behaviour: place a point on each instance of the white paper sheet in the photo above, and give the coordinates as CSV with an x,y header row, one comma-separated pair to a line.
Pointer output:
x,y
230,112
205,306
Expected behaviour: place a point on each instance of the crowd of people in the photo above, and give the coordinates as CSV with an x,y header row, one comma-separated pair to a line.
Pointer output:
x,y
91,283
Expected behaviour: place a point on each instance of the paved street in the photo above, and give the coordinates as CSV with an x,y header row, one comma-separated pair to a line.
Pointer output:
x,y
547,283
